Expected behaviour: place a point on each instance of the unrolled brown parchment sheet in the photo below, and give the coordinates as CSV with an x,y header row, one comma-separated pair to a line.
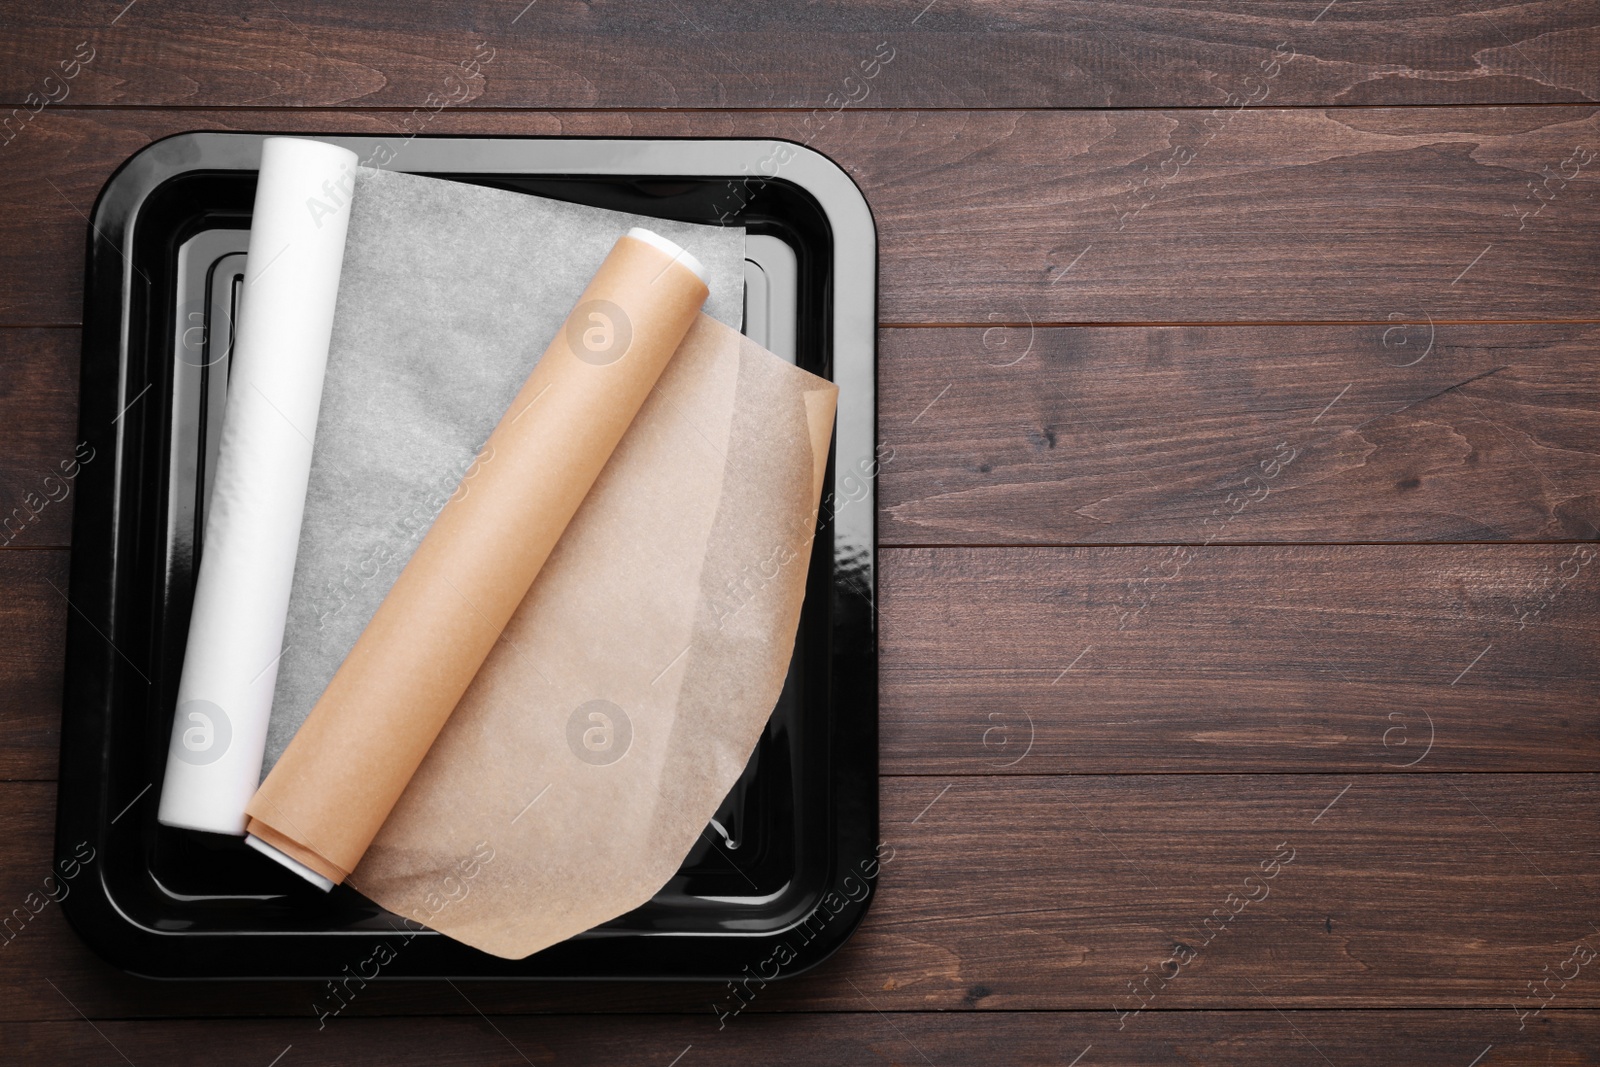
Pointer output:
x,y
327,797
635,678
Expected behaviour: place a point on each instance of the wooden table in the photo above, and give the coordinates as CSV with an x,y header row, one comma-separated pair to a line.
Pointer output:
x,y
1241,672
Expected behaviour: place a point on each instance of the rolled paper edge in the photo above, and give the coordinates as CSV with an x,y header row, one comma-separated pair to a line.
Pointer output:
x,y
324,884
293,854
678,253
179,821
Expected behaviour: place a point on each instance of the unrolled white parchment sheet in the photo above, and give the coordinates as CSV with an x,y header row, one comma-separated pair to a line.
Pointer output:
x,y
449,295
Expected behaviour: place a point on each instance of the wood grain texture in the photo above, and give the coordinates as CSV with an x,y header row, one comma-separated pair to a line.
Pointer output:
x,y
1226,659
33,632
1143,435
1261,1038
1034,893
1088,750
691,53
993,218
1309,659
39,410
1400,431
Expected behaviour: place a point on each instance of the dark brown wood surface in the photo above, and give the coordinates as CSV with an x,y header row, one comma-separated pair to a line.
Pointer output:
x,y
973,1039
691,53
1280,215
1239,366
1063,892
1402,430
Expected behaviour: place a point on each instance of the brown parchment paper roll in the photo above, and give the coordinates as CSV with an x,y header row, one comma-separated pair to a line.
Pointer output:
x,y
328,796
633,682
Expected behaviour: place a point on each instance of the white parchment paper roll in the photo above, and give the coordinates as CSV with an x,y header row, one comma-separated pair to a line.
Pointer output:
x,y
252,529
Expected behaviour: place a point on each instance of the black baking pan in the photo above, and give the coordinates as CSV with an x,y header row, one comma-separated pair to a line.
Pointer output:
x,y
786,869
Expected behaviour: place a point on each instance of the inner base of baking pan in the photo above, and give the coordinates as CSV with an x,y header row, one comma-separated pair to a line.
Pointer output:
x,y
742,857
